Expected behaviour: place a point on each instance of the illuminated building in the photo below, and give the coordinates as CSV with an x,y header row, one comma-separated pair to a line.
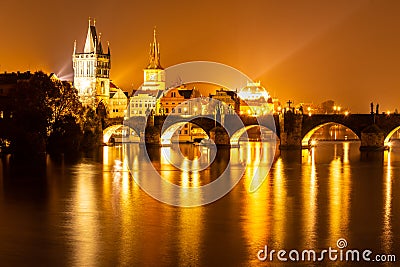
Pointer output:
x,y
255,100
230,98
92,70
179,96
118,102
143,102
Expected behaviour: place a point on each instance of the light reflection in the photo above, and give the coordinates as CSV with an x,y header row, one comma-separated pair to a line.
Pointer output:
x,y
280,203
387,237
310,193
346,151
105,158
257,227
84,218
190,235
339,198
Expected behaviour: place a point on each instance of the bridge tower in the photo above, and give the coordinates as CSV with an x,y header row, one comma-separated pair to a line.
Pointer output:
x,y
154,74
92,70
290,125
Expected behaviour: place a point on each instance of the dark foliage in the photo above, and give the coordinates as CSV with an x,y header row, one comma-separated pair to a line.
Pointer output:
x,y
48,117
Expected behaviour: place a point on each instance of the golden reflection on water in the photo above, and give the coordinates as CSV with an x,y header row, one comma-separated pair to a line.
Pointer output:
x,y
339,196
280,202
269,216
310,205
190,234
84,218
387,236
256,226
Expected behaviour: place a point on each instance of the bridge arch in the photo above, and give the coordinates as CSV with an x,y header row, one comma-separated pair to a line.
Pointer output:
x,y
390,134
110,130
166,135
236,136
306,138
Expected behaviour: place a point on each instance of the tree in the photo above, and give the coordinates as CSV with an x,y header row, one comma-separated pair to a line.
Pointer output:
x,y
46,112
31,115
92,129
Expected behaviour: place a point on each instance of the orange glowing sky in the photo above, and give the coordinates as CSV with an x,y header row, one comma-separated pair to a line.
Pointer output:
x,y
306,51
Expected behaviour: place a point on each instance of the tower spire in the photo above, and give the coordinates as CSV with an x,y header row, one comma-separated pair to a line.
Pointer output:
x,y
154,35
154,53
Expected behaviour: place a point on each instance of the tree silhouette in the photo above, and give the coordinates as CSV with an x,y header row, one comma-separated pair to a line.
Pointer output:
x,y
47,114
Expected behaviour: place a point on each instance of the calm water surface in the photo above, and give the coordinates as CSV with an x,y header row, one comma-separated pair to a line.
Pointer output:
x,y
88,214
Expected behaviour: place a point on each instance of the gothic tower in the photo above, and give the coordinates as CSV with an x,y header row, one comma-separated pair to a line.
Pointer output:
x,y
92,70
154,74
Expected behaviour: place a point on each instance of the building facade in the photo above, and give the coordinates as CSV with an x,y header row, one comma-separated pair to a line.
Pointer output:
x,y
118,102
230,98
92,70
255,100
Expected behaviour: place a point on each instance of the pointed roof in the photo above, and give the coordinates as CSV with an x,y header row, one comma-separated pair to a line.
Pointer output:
x,y
93,42
154,53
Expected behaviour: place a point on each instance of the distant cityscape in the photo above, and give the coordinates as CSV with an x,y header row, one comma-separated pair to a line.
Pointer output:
x,y
92,80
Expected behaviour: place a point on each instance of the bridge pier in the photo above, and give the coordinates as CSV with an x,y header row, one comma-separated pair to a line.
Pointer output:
x,y
290,131
372,139
220,136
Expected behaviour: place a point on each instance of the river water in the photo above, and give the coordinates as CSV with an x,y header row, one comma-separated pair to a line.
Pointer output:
x,y
90,213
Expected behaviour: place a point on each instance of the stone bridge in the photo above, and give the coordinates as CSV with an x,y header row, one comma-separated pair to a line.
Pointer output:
x,y
293,130
373,130
225,130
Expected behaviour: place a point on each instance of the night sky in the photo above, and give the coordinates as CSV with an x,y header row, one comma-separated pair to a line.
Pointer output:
x,y
306,51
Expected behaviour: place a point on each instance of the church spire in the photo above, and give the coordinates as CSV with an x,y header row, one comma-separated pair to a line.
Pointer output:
x,y
154,53
93,42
